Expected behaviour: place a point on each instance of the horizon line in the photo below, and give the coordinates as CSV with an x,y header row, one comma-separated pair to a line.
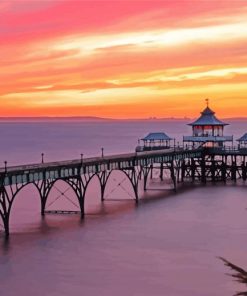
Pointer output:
x,y
106,118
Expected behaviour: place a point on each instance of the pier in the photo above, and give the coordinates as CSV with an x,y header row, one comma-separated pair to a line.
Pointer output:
x,y
193,165
78,174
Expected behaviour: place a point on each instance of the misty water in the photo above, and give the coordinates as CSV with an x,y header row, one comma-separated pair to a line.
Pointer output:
x,y
167,245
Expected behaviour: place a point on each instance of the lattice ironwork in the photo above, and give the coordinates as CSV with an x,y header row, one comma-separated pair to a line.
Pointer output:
x,y
78,175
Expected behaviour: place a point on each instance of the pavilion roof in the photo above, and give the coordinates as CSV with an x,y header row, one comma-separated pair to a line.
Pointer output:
x,y
157,137
208,118
243,138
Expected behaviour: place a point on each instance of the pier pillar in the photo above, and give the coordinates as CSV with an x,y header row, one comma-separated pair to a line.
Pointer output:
x,y
6,227
223,171
151,168
183,169
44,188
203,170
42,207
103,178
213,168
5,208
244,171
145,177
234,171
161,171
82,205
178,171
173,176
193,169
136,194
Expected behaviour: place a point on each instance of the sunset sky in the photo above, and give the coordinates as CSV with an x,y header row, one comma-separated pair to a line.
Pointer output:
x,y
123,59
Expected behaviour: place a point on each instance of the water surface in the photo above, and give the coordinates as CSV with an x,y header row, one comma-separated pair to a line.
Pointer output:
x,y
167,245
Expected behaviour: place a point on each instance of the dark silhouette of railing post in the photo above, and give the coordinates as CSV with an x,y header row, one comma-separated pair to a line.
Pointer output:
x,y
203,169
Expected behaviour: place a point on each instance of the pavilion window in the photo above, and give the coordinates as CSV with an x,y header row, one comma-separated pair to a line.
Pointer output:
x,y
198,131
208,130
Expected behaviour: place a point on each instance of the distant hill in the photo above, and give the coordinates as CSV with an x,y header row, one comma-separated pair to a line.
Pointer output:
x,y
46,118
236,119
95,119
85,118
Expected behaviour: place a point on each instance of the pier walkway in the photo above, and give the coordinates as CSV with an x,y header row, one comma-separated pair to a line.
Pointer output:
x,y
79,172
194,164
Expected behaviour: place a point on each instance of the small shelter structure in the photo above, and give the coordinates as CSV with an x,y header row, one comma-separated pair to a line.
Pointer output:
x,y
242,141
154,141
207,130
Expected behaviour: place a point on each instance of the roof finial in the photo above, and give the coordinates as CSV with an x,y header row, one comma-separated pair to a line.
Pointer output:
x,y
207,102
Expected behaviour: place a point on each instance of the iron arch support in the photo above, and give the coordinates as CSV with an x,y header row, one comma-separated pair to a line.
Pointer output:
x,y
5,207
79,188
75,183
103,179
44,188
146,171
7,200
133,175
80,184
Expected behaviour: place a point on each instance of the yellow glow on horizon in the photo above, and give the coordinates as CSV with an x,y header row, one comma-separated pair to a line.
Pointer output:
x,y
79,98
122,96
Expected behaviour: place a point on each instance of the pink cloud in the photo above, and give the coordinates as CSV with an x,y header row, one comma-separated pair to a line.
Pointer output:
x,y
31,62
35,20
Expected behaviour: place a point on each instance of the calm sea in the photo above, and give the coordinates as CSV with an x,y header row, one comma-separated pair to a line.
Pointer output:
x,y
166,246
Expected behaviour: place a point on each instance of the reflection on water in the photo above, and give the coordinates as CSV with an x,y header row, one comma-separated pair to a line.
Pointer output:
x,y
166,245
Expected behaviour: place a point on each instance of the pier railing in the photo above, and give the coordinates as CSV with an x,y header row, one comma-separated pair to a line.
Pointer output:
x,y
78,174
227,150
44,171
177,163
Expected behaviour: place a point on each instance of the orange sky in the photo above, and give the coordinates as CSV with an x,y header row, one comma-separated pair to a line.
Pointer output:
x,y
123,59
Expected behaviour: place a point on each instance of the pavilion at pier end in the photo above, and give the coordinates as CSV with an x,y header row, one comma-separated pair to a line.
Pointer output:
x,y
207,131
